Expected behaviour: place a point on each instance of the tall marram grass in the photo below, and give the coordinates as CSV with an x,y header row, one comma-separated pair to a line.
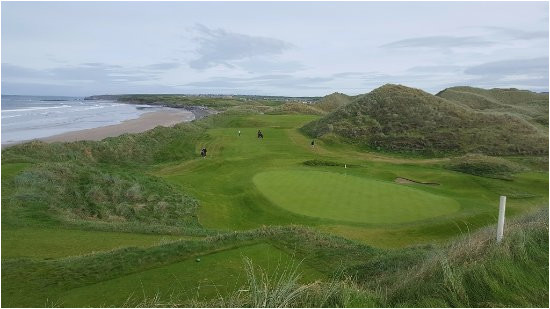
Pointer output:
x,y
280,290
475,271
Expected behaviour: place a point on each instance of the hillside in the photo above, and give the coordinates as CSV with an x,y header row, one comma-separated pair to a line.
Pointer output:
x,y
402,119
333,101
531,106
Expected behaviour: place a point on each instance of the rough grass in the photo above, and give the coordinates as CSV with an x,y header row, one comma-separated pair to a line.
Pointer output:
x,y
477,272
485,166
76,191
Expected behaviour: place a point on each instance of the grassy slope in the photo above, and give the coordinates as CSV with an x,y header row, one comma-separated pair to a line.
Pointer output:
x,y
401,119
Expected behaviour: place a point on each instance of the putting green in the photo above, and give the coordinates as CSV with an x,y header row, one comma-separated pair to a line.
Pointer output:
x,y
350,198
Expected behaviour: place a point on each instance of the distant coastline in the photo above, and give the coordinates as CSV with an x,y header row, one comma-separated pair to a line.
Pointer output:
x,y
27,118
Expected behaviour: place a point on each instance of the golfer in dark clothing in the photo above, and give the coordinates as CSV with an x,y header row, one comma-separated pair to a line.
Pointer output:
x,y
203,152
260,134
313,143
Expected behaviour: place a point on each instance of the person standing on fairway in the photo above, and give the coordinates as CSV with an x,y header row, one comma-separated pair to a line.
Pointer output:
x,y
239,132
260,134
312,143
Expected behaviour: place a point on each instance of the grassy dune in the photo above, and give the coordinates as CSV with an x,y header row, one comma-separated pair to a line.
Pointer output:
x,y
529,105
333,101
401,119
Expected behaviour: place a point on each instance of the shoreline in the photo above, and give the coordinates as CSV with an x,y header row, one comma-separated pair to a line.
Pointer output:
x,y
145,122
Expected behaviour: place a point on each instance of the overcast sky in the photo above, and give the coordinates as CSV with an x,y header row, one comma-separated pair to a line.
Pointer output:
x,y
294,49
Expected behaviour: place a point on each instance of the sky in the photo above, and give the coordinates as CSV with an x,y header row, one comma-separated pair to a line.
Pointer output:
x,y
270,48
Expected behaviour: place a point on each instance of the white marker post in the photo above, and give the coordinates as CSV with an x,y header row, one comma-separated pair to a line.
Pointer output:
x,y
501,210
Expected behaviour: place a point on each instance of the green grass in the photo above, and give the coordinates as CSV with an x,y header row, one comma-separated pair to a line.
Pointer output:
x,y
48,243
350,198
62,234
216,274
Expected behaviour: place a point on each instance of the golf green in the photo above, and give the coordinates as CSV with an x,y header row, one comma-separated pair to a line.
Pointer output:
x,y
350,198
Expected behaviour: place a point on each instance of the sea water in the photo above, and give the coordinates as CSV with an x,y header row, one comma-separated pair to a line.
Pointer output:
x,y
31,117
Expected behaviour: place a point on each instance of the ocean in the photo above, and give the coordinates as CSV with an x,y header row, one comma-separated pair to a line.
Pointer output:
x,y
31,117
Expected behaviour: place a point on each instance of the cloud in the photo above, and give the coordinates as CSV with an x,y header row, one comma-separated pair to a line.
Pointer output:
x,y
282,81
163,66
15,72
436,69
513,73
219,47
439,42
348,74
519,34
520,82
537,66
89,73
258,65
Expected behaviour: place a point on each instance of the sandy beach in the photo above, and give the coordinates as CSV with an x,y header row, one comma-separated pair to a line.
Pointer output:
x,y
145,122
